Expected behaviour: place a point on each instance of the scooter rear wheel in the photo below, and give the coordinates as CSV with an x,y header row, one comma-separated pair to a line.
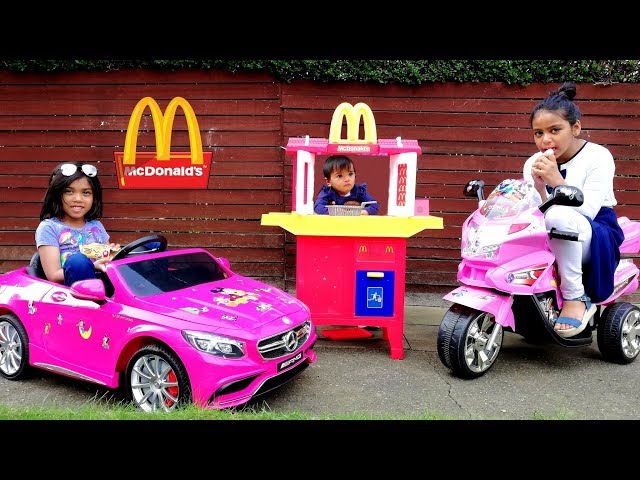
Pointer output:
x,y
468,341
619,333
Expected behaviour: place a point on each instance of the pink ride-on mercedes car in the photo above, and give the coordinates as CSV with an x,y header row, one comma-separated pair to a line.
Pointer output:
x,y
170,326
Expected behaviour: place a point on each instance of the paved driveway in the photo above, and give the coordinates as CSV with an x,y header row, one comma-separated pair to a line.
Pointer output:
x,y
359,378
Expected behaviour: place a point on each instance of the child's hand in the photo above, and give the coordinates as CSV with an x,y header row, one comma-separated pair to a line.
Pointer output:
x,y
101,263
364,212
545,170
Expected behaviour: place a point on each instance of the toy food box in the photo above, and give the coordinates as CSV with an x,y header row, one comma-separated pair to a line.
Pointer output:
x,y
97,250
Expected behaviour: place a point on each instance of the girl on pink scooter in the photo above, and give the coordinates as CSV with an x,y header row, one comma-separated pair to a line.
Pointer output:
x,y
586,268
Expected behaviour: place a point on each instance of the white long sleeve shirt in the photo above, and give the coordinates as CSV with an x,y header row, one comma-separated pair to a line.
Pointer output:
x,y
591,170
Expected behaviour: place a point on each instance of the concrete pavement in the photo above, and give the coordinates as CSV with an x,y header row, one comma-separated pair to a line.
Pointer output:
x,y
358,378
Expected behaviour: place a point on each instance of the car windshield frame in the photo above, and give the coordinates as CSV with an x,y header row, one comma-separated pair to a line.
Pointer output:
x,y
170,273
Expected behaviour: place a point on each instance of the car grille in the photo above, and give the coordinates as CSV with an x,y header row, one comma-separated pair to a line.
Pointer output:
x,y
285,342
279,380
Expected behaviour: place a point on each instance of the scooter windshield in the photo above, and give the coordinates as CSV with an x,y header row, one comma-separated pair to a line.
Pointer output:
x,y
509,198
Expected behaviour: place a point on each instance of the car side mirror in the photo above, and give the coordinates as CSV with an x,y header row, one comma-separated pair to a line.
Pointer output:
x,y
92,290
225,262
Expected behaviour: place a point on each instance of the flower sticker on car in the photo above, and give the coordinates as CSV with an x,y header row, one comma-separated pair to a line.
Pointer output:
x,y
234,297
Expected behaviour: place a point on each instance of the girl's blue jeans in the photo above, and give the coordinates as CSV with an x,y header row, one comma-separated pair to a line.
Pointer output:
x,y
77,267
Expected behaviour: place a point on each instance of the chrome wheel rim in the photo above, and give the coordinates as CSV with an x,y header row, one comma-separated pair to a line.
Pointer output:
x,y
480,351
154,385
10,349
630,339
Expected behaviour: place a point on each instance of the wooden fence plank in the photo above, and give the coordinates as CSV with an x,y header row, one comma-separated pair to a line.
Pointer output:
x,y
469,130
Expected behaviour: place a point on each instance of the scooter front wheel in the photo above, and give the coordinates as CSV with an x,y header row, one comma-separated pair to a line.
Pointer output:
x,y
468,341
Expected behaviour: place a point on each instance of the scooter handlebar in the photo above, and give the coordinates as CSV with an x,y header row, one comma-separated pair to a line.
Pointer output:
x,y
575,237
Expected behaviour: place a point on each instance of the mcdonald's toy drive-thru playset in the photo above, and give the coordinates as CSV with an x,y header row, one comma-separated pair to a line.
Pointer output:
x,y
350,270
169,326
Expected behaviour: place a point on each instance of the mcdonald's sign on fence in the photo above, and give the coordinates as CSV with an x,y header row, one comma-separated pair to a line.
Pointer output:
x,y
163,169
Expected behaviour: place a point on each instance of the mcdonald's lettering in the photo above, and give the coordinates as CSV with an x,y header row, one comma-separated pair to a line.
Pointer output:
x,y
354,148
388,249
166,171
151,169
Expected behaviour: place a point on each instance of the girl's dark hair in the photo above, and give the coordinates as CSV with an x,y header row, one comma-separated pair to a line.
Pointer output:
x,y
52,203
336,162
561,103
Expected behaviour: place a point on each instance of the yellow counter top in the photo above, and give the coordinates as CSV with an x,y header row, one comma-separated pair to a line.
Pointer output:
x,y
361,226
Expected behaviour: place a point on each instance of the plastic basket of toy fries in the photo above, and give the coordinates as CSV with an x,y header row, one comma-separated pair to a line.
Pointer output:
x,y
347,210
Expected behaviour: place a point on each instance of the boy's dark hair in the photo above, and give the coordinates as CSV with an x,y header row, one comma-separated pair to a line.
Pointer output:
x,y
52,203
561,103
336,162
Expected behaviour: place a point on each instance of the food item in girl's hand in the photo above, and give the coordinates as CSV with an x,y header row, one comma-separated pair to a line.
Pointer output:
x,y
97,250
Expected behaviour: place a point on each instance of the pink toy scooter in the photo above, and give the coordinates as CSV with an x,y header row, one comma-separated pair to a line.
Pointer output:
x,y
510,282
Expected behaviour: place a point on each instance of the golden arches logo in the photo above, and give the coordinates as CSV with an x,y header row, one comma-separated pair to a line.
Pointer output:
x,y
162,168
163,125
353,114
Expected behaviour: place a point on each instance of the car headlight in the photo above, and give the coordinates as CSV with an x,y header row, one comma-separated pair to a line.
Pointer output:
x,y
215,344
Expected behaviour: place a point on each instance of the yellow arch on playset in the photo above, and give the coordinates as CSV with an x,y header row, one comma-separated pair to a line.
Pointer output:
x,y
353,114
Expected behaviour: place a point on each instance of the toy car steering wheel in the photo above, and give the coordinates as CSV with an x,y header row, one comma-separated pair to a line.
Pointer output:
x,y
130,248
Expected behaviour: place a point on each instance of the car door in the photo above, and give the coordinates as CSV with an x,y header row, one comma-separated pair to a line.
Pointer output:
x,y
79,334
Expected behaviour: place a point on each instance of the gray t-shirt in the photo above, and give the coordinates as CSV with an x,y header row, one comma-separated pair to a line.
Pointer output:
x,y
55,233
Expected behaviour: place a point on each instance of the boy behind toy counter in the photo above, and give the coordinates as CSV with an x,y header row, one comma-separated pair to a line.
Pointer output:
x,y
341,187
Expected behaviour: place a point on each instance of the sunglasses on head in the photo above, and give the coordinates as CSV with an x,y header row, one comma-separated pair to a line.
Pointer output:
x,y
68,169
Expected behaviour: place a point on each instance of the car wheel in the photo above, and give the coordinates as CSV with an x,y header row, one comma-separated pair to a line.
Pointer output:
x,y
14,348
468,341
156,380
619,333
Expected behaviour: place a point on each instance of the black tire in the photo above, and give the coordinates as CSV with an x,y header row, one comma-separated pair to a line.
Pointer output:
x,y
156,380
619,333
14,348
462,336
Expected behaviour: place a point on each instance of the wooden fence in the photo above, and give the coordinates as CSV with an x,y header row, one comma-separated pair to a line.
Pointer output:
x,y
470,130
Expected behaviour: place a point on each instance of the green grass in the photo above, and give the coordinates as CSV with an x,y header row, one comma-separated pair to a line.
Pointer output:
x,y
561,415
98,409
95,412
101,409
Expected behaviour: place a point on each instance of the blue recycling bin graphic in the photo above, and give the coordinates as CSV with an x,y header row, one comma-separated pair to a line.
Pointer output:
x,y
374,297
375,293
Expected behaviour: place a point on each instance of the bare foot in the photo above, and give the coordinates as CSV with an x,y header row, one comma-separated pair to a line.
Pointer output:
x,y
571,309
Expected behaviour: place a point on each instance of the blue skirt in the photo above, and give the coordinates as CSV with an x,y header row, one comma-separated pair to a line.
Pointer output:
x,y
607,236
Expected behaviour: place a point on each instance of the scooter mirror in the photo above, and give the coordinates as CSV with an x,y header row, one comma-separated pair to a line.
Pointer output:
x,y
474,188
567,196
563,195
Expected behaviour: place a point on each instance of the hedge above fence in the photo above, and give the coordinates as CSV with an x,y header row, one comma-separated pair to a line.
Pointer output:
x,y
407,72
